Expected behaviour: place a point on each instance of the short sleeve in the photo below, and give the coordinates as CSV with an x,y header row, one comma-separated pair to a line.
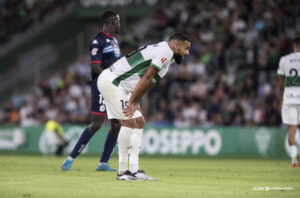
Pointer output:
x,y
280,70
163,56
96,51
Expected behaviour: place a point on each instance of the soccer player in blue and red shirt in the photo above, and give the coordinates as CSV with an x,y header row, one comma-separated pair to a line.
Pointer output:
x,y
104,49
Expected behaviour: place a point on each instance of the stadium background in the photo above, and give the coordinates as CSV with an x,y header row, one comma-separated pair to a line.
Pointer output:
x,y
228,83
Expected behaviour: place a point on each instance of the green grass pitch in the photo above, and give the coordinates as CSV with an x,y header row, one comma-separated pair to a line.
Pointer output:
x,y
26,176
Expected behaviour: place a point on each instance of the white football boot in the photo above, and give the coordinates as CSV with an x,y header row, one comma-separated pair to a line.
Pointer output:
x,y
127,175
141,175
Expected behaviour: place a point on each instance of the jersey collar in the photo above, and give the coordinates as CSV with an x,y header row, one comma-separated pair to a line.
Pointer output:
x,y
110,36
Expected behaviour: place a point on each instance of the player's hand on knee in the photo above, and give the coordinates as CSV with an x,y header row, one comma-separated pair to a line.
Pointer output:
x,y
130,109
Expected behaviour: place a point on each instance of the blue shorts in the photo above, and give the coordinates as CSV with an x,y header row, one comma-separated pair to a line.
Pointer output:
x,y
98,107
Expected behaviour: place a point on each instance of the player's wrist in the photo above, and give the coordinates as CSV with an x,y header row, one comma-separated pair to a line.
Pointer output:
x,y
133,101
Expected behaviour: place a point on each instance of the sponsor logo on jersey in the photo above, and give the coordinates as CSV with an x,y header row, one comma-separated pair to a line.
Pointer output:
x,y
112,47
108,49
163,60
117,52
291,96
94,51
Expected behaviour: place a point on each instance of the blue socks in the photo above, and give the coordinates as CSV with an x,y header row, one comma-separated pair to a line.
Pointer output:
x,y
85,138
108,147
81,143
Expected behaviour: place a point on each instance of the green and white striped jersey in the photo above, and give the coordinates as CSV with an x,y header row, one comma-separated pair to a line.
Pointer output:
x,y
128,70
289,66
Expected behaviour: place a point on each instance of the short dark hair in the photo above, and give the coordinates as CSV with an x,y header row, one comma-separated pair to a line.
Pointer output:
x,y
106,16
296,39
179,37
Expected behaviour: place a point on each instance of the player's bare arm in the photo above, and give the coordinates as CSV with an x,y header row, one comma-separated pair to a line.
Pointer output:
x,y
97,68
281,89
143,85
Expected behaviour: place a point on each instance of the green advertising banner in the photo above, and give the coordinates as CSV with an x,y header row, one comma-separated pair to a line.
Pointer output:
x,y
33,139
224,141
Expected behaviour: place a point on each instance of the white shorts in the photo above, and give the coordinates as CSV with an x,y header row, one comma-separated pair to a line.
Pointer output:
x,y
290,114
115,98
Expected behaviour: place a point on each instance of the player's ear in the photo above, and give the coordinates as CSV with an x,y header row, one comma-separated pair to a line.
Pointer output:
x,y
177,45
113,22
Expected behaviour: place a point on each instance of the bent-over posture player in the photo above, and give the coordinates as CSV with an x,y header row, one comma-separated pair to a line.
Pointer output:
x,y
124,83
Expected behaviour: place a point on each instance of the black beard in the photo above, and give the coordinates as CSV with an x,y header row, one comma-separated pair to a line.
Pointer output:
x,y
178,58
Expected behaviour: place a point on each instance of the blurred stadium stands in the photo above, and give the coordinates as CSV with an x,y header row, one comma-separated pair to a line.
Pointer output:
x,y
228,79
18,16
